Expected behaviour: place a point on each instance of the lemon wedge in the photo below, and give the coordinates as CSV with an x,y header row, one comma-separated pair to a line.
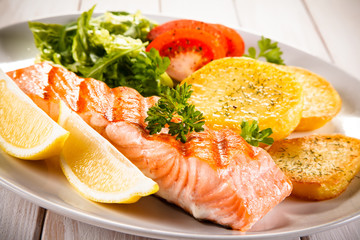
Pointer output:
x,y
26,131
95,168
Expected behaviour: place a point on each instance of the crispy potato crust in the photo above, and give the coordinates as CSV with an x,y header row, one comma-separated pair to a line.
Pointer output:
x,y
321,101
320,166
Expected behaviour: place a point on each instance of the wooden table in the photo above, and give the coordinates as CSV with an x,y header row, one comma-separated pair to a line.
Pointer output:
x,y
328,29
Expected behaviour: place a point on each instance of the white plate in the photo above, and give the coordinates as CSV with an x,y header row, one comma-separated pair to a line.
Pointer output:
x,y
42,183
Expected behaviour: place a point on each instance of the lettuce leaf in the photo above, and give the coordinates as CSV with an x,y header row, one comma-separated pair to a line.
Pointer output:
x,y
83,53
110,48
54,41
130,25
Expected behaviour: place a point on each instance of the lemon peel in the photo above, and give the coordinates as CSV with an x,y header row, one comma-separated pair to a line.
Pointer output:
x,y
26,131
95,168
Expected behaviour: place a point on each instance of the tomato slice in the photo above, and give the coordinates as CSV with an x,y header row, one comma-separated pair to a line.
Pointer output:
x,y
188,24
235,43
188,50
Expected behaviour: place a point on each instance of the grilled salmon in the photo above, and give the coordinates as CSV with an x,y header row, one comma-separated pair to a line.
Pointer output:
x,y
216,175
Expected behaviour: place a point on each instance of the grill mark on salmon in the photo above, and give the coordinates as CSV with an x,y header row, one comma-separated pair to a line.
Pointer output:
x,y
215,175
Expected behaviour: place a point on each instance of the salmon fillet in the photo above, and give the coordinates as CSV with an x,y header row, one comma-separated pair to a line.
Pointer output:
x,y
216,175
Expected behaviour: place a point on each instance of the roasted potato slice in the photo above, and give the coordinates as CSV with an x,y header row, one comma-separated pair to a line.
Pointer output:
x,y
320,166
321,101
230,90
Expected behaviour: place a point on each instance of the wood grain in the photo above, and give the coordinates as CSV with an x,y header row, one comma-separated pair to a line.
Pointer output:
x,y
338,24
145,6
63,228
282,20
19,219
207,10
14,11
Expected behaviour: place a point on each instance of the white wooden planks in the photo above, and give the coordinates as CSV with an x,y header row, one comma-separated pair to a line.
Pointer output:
x,y
13,11
286,21
338,23
19,219
146,6
207,10
63,228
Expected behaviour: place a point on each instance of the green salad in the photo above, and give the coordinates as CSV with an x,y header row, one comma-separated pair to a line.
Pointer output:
x,y
110,48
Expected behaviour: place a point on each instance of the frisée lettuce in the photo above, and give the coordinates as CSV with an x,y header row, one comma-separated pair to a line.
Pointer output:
x,y
110,48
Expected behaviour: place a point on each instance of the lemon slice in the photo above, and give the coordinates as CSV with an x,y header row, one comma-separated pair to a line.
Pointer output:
x,y
26,131
95,168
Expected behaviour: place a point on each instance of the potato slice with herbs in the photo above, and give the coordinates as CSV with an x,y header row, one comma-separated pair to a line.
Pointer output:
x,y
321,101
319,166
230,90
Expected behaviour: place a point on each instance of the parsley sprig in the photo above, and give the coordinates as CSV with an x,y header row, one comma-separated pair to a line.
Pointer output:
x,y
268,50
172,110
149,72
251,133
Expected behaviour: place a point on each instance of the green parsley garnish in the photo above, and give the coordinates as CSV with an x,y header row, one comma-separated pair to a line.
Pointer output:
x,y
268,50
251,133
149,72
173,110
